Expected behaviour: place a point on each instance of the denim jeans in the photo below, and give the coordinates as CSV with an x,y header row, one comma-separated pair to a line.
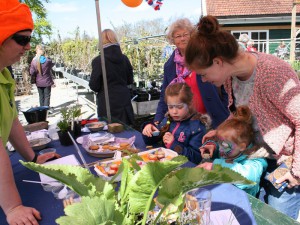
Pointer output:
x,y
287,201
44,94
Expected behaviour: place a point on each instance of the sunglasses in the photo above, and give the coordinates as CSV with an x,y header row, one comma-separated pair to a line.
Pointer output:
x,y
22,40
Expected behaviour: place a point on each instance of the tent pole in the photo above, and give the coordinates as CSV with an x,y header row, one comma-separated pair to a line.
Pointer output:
x,y
103,62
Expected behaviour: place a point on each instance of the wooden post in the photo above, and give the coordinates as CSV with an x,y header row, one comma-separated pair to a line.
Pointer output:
x,y
293,32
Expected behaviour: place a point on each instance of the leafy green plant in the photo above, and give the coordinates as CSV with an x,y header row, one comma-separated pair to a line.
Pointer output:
x,y
64,123
69,115
75,112
102,204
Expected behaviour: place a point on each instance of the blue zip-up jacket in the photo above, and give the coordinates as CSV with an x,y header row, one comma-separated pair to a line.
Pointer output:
x,y
251,169
187,137
215,104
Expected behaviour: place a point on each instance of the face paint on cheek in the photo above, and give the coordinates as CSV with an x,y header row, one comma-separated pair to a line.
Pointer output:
x,y
226,148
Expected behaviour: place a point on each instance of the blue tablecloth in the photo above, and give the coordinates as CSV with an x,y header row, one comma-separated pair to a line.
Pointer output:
x,y
224,196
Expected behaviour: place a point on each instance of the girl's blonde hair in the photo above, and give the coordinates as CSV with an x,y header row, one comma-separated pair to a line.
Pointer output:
x,y
109,37
39,52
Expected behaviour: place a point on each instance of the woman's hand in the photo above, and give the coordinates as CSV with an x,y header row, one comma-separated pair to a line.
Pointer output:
x,y
148,129
292,181
206,165
209,135
168,138
23,215
207,148
45,157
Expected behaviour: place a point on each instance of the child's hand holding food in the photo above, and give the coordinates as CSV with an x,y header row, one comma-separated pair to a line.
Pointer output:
x,y
168,138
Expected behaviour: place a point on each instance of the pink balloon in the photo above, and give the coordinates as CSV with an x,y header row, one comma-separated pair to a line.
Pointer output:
x,y
132,3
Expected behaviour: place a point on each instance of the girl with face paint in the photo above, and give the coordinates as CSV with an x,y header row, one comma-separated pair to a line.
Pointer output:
x,y
233,142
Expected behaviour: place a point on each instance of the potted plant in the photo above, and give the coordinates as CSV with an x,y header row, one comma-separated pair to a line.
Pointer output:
x,y
131,204
75,113
64,126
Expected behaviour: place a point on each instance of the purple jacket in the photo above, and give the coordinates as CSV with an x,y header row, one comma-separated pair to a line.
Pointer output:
x,y
44,80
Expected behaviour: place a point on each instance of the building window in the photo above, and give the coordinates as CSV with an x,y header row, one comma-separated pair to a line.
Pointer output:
x,y
260,38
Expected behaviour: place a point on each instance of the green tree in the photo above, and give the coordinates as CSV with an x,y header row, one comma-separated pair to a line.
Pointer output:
x,y
42,27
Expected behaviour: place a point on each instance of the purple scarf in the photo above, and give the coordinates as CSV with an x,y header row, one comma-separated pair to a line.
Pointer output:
x,y
181,71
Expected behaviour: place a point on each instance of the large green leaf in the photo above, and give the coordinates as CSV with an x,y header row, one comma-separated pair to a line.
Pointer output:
x,y
127,174
179,182
77,178
145,183
92,211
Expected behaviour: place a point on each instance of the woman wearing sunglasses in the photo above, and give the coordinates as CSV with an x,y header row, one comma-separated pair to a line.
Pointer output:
x,y
15,30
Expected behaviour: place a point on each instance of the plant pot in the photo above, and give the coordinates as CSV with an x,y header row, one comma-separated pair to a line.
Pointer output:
x,y
77,129
64,138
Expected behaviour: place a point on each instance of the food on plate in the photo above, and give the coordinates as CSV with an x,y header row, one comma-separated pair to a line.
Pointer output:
x,y
96,125
94,147
114,167
124,144
113,148
152,157
105,146
159,152
111,172
160,156
102,169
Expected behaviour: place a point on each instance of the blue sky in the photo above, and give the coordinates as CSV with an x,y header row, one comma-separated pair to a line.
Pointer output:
x,y
66,15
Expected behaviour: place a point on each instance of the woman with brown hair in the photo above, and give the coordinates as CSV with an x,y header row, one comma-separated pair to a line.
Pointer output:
x,y
271,89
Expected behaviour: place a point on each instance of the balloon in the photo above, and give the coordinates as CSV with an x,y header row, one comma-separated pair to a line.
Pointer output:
x,y
132,3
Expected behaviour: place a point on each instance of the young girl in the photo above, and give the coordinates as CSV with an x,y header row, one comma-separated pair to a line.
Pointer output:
x,y
234,138
183,128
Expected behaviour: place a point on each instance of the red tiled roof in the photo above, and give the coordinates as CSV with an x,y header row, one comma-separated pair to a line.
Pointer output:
x,y
220,8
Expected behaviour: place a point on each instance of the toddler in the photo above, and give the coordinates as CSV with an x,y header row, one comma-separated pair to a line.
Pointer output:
x,y
233,141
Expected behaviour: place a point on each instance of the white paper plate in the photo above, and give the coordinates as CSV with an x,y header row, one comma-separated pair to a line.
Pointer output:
x,y
67,160
168,154
101,136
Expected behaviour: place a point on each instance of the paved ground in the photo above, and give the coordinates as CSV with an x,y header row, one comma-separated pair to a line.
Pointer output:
x,y
62,95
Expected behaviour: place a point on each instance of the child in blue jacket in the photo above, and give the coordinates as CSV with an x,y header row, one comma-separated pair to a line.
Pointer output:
x,y
183,128
233,141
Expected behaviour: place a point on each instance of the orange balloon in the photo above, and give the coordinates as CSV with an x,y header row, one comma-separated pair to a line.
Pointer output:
x,y
132,3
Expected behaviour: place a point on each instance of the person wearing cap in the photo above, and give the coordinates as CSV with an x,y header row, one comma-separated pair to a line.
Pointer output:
x,y
15,30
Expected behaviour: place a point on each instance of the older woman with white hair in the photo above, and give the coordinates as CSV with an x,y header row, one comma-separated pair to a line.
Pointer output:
x,y
206,97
